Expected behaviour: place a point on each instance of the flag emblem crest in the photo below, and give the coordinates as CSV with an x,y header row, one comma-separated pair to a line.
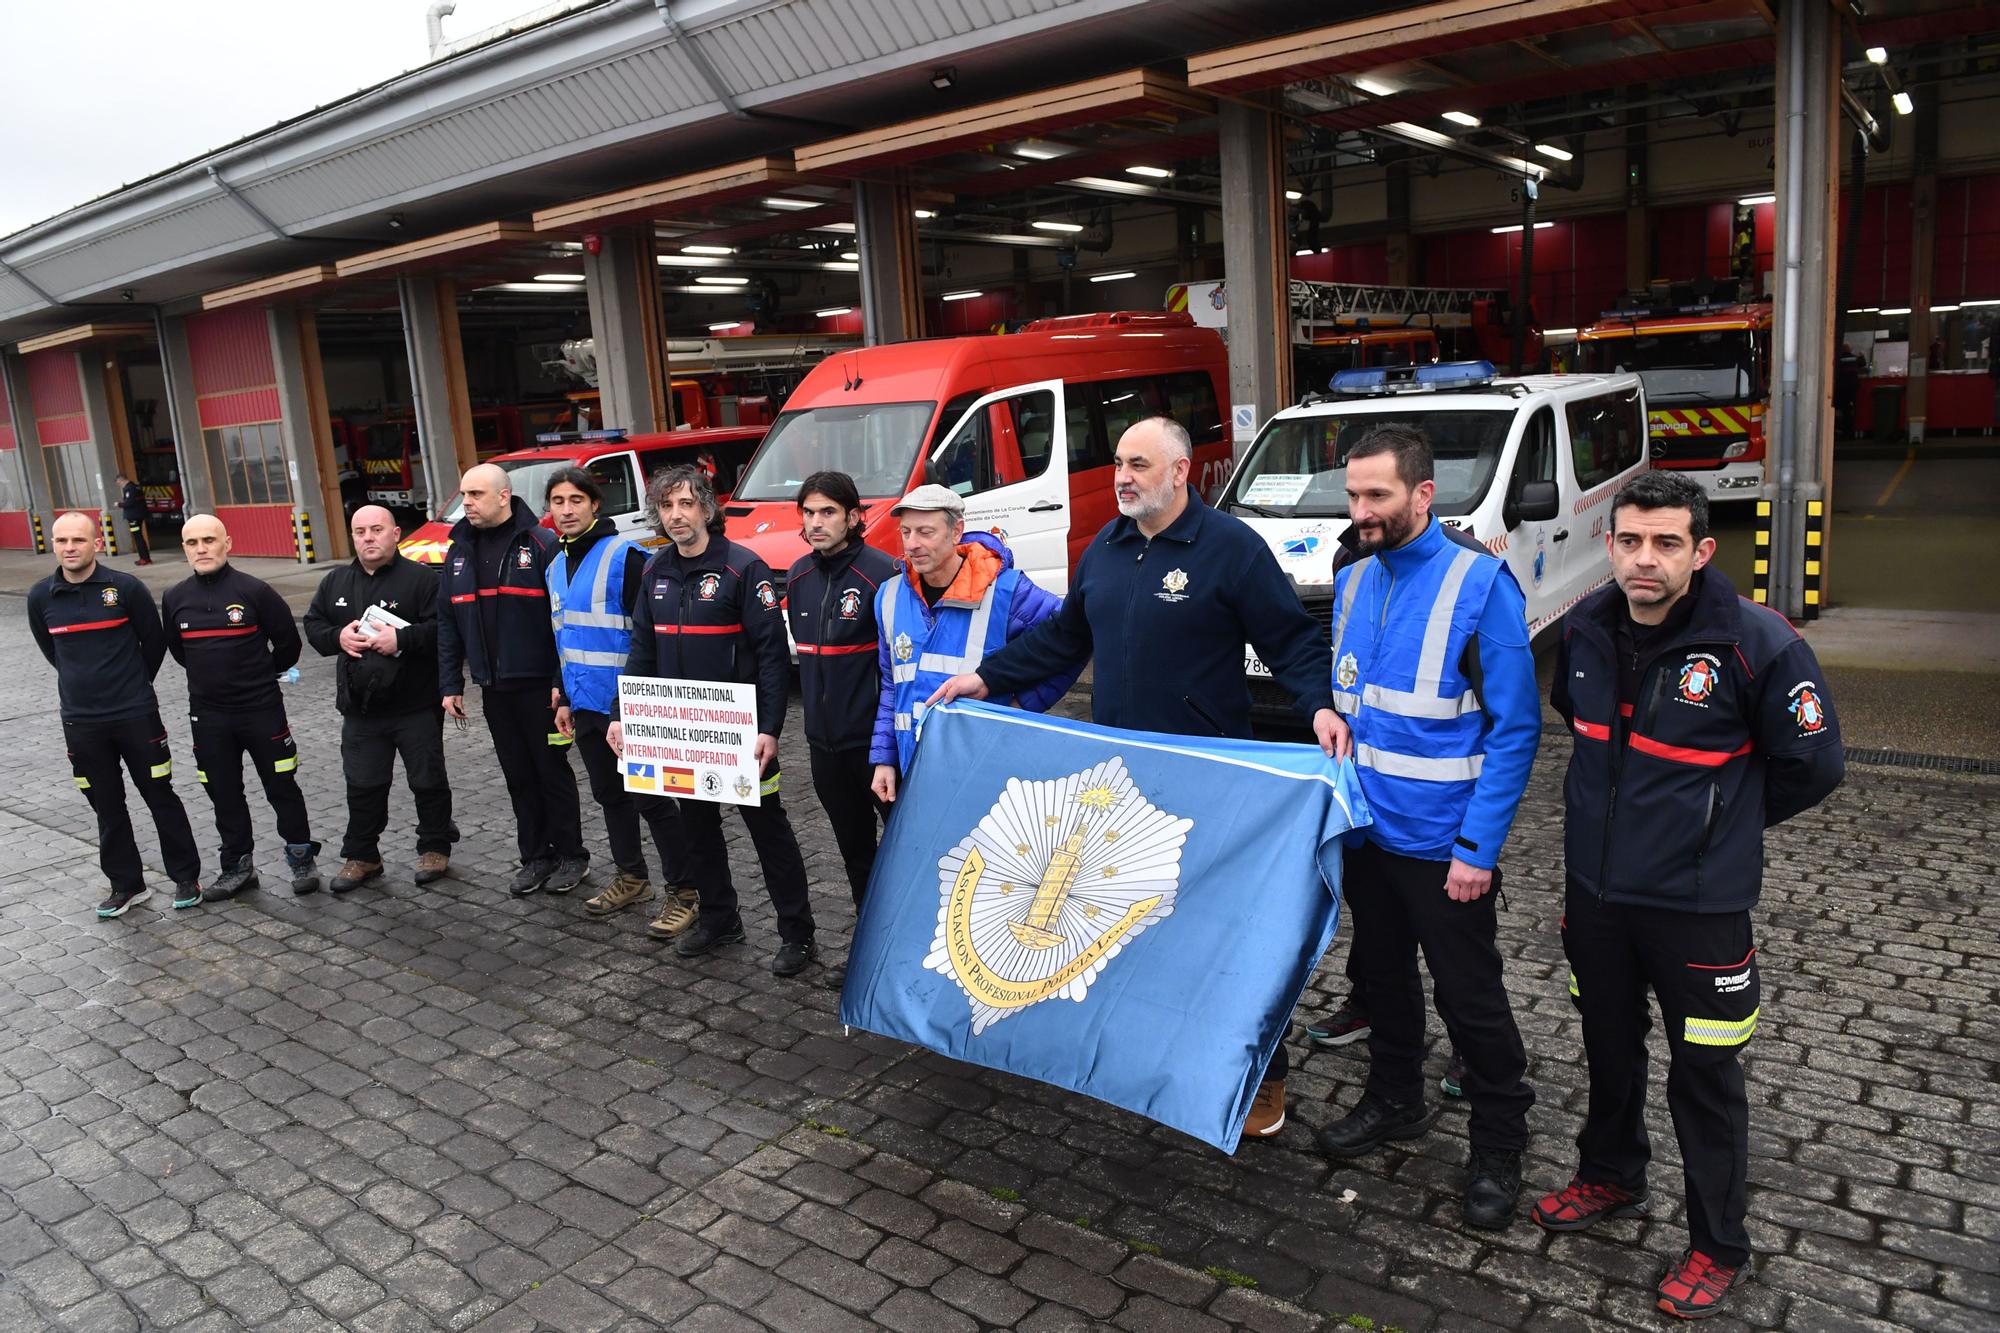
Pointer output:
x,y
1050,886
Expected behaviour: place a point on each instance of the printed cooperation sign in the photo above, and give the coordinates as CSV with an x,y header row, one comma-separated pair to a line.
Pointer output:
x,y
693,739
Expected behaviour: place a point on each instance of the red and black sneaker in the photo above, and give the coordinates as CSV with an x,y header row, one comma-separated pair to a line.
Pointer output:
x,y
1582,1205
1697,1288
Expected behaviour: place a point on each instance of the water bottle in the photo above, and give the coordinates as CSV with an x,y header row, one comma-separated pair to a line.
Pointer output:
x,y
290,676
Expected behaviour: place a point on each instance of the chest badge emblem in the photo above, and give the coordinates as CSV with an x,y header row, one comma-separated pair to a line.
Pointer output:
x,y
707,586
1347,672
903,647
110,596
850,603
1175,581
524,558
1697,681
233,614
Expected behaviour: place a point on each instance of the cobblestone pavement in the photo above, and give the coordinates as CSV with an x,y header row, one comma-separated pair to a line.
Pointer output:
x,y
444,1108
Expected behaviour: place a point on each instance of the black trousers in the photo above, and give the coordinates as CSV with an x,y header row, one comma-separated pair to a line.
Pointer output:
x,y
369,745
1400,907
221,740
840,780
623,810
534,759
137,527
777,853
1703,968
99,754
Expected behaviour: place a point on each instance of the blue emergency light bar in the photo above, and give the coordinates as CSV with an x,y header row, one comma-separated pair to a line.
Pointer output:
x,y
1414,379
614,435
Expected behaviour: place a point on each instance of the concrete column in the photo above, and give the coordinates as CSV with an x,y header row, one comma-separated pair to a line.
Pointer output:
x,y
27,441
438,393
1256,262
176,367
1923,264
104,432
309,459
627,326
1638,222
892,280
1800,475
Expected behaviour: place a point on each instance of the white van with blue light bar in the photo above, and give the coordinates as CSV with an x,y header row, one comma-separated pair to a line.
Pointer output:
x,y
1527,465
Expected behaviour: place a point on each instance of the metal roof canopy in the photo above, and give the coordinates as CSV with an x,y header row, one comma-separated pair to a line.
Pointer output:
x,y
78,334
670,198
438,251
297,283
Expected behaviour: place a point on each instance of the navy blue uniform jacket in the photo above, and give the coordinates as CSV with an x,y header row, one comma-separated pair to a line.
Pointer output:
x,y
714,616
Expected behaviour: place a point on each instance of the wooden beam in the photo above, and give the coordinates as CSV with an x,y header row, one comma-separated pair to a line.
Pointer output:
x,y
1449,25
266,289
1135,92
83,333
435,250
645,203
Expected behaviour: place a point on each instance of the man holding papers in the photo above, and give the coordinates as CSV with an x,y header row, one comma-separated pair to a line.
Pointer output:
x,y
378,615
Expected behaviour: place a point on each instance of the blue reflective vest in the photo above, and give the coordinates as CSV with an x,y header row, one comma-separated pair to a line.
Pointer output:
x,y
1403,622
924,652
593,633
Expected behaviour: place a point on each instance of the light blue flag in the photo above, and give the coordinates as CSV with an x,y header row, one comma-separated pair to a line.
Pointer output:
x,y
1122,913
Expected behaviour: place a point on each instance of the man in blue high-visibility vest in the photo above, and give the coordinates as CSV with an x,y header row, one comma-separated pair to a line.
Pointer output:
x,y
1432,669
593,582
959,598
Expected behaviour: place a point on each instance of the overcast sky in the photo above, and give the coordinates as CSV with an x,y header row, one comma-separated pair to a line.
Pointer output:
x,y
98,93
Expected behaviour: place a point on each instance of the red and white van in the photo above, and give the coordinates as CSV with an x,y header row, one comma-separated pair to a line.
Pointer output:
x,y
620,463
1022,425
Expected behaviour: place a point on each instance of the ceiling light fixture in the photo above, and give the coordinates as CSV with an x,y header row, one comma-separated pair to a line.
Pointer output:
x,y
1895,310
539,288
724,328
840,266
942,79
1877,55
1903,103
922,214
559,277
1112,277
1559,154
960,296
1558,333
1373,88
1293,196
708,249
1037,152
689,261
1465,118
720,280
1153,173
1749,200
845,228
1065,227
1943,309
783,204
850,255
831,311
1507,230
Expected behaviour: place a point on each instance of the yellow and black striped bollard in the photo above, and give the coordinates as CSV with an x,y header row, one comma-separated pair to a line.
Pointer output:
x,y
302,535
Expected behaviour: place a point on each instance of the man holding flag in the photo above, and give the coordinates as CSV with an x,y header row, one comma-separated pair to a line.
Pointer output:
x,y
1431,661
1164,599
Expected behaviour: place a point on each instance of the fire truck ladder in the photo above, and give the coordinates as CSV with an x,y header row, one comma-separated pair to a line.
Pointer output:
x,y
1332,305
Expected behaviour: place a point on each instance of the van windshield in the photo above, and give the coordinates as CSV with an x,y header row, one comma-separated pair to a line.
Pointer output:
x,y
874,443
1298,465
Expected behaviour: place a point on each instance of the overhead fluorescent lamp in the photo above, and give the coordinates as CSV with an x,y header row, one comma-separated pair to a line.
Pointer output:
x,y
1969,304
689,261
1903,103
1426,137
831,311
850,255
1895,310
1065,227
1943,309
1037,151
708,249
840,266
1373,88
783,204
1504,231
721,280
1465,118
1293,196
724,328
960,296
1877,55
1875,309
559,277
1758,199
1558,333
845,228
922,214
539,288
1152,173
1297,253
1112,277
1114,186
1559,154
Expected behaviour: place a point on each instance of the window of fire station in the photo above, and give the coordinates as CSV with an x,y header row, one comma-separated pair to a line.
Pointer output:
x,y
13,481
246,464
72,477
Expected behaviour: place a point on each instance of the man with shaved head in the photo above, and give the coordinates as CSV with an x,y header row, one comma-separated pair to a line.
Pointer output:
x,y
235,636
377,618
100,631
495,626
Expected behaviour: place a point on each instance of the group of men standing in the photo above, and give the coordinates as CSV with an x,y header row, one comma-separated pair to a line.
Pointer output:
x,y
1700,719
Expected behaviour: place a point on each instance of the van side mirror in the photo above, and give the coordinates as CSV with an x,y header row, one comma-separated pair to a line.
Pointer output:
x,y
1538,502
931,476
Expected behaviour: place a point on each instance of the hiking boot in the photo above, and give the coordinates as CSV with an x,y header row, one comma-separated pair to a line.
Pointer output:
x,y
792,957
305,870
625,891
1267,1113
1581,1205
1696,1287
531,876
705,936
1348,1024
1453,1082
120,901
569,872
234,879
188,893
679,912
1492,1189
353,874
1372,1123
432,866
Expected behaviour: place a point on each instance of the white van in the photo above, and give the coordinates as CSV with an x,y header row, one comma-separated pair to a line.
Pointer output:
x,y
1527,465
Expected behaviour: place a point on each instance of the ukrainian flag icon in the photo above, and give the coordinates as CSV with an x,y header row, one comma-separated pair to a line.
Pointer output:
x,y
641,777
